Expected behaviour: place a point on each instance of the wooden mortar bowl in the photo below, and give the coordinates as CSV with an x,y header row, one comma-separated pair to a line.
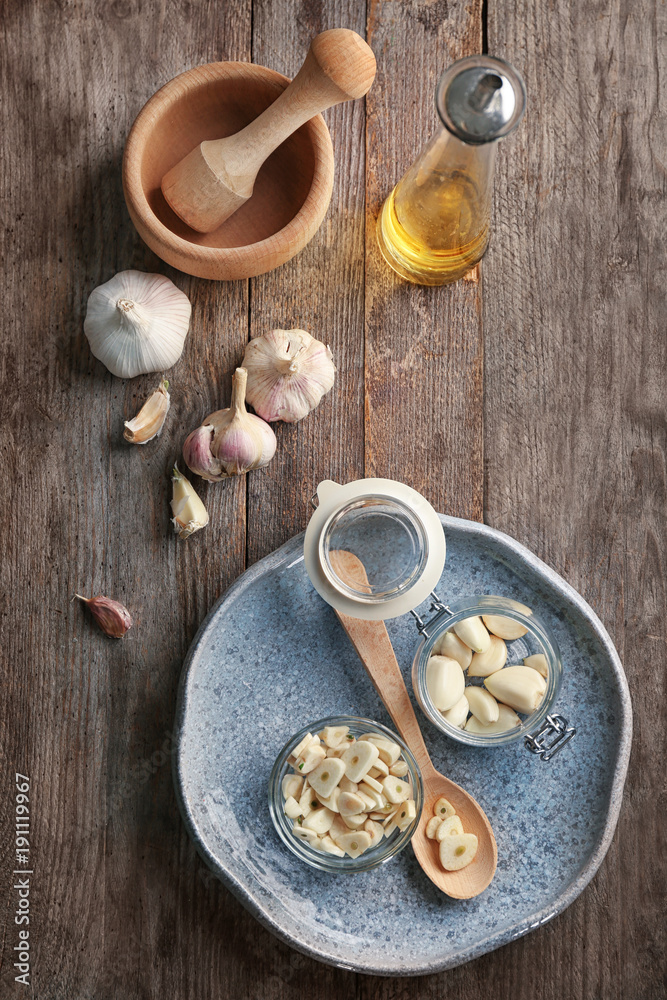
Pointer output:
x,y
292,190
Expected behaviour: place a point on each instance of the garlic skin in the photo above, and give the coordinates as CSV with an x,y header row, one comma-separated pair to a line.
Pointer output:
x,y
230,442
188,509
150,419
288,373
112,617
137,323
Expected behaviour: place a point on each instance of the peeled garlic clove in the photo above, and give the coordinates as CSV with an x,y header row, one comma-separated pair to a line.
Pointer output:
x,y
288,373
458,713
492,659
450,645
522,688
112,617
457,851
504,628
482,704
472,632
507,719
137,323
537,661
445,682
150,419
230,442
189,513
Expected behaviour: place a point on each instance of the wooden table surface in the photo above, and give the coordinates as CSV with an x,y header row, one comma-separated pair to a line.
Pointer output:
x,y
531,396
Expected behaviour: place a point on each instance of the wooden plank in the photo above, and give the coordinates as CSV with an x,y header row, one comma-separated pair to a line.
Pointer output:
x,y
424,348
87,717
575,386
321,290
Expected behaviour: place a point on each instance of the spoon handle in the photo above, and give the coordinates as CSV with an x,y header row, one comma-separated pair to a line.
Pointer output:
x,y
372,643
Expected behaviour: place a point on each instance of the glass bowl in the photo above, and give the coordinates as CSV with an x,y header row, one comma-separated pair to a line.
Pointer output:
x,y
537,639
374,856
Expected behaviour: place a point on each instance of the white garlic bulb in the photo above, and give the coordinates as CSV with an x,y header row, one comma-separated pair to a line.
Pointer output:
x,y
137,323
230,442
288,373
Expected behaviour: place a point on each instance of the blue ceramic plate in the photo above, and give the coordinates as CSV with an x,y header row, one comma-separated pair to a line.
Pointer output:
x,y
271,657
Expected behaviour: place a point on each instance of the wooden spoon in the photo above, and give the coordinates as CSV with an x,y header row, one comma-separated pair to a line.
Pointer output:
x,y
217,177
372,643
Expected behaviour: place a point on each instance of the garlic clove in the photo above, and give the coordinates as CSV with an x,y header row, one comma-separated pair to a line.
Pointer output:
x,y
507,719
450,645
112,617
137,323
492,659
288,373
504,628
482,705
522,688
150,419
472,632
458,713
445,682
537,661
189,512
230,442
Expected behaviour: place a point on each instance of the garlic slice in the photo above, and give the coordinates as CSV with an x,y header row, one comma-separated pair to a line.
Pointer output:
x,y
450,826
137,323
189,512
457,851
150,419
288,373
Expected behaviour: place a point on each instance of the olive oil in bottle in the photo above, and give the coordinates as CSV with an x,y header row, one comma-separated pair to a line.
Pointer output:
x,y
434,226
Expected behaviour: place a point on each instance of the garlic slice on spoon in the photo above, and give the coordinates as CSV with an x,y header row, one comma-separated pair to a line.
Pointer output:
x,y
137,323
372,643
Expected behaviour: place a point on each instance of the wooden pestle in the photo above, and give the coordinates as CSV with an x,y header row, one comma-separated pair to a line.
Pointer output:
x,y
217,177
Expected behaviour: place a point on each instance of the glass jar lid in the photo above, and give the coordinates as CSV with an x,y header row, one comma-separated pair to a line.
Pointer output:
x,y
374,548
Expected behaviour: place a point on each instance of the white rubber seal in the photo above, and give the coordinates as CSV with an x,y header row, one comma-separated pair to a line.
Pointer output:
x,y
332,497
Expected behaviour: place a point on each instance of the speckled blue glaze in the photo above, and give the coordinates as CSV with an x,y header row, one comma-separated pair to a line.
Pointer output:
x,y
271,657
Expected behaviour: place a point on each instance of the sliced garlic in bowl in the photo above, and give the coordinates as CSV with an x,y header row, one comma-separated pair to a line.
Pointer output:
x,y
369,814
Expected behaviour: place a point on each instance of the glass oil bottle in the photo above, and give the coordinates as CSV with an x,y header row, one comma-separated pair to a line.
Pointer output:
x,y
434,226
